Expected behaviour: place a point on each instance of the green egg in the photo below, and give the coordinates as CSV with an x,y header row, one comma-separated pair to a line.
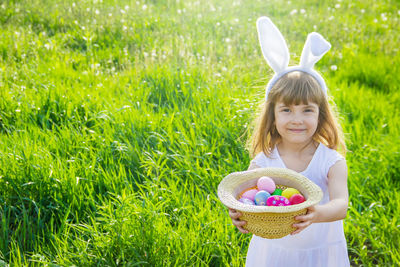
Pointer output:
x,y
277,192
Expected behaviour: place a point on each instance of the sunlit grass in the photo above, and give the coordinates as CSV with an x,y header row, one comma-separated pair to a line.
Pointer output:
x,y
118,119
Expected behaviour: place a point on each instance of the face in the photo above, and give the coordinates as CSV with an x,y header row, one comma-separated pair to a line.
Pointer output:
x,y
296,124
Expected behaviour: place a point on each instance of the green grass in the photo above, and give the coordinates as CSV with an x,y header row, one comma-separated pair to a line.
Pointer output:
x,y
118,119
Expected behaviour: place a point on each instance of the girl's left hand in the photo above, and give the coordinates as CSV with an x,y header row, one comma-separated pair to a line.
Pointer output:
x,y
305,220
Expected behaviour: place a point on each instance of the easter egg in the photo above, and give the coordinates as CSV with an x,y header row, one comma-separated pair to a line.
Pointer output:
x,y
277,192
277,201
266,183
261,198
288,192
296,199
250,194
246,201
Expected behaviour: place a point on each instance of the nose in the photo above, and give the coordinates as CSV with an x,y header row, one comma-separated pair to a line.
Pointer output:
x,y
297,118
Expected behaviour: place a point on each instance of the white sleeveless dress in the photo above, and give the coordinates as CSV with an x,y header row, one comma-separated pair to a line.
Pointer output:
x,y
320,244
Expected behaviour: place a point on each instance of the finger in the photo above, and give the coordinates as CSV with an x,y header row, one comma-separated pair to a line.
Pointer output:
x,y
242,230
239,223
299,229
306,217
311,209
234,214
301,226
303,218
296,232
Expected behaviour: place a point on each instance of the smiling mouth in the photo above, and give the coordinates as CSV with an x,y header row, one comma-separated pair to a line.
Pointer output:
x,y
297,130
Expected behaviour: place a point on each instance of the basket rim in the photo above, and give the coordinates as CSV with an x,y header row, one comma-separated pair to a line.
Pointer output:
x,y
231,181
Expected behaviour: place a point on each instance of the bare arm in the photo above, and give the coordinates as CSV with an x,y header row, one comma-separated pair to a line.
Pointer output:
x,y
235,215
336,208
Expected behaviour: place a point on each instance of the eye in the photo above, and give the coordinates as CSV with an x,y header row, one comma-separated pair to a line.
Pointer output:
x,y
310,109
286,110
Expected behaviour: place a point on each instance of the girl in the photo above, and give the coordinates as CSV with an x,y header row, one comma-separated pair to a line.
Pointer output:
x,y
297,130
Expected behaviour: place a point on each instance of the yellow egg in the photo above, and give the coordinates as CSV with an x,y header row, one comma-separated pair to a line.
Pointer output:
x,y
288,192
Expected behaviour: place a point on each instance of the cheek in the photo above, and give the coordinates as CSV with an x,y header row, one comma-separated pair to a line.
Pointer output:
x,y
279,122
313,123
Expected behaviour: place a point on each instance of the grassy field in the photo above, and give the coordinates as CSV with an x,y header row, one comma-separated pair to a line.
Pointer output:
x,y
118,119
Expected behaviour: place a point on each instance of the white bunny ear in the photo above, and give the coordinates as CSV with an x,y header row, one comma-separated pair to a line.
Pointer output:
x,y
314,48
273,45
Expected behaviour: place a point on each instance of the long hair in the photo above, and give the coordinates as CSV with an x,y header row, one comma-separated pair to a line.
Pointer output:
x,y
295,88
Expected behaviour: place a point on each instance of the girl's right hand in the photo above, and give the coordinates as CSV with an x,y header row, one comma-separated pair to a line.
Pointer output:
x,y
235,215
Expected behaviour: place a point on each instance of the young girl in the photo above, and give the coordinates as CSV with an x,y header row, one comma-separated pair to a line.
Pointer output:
x,y
297,130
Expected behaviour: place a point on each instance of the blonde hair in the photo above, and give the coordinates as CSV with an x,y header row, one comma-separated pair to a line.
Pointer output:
x,y
296,88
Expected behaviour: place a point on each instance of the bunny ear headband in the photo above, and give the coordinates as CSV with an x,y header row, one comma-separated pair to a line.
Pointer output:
x,y
276,53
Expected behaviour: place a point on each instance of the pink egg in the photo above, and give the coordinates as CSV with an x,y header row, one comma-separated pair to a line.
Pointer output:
x,y
250,194
296,199
266,183
277,201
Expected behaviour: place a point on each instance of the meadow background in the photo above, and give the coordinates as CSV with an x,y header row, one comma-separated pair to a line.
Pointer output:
x,y
118,119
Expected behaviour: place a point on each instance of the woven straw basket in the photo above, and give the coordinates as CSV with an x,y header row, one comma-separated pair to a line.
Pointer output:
x,y
268,221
